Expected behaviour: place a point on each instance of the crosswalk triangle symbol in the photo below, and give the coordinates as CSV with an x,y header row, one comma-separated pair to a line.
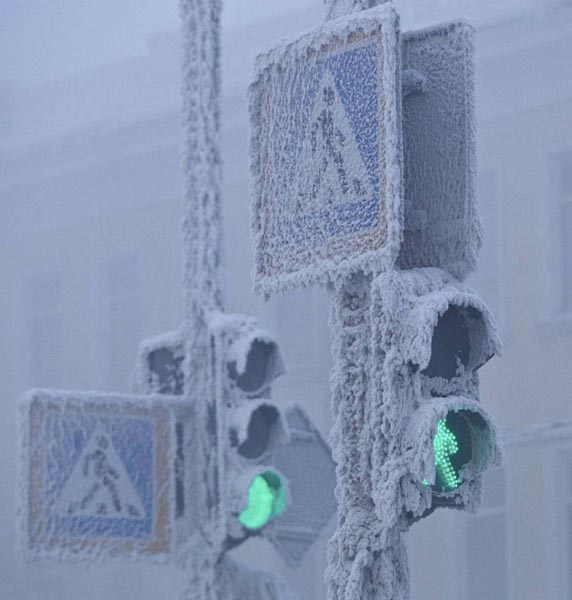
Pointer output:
x,y
330,168
99,485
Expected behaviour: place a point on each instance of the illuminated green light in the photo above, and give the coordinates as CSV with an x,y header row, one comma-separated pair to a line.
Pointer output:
x,y
445,445
453,449
266,500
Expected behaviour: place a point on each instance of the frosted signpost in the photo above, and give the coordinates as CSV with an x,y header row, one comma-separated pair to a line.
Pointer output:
x,y
199,458
363,164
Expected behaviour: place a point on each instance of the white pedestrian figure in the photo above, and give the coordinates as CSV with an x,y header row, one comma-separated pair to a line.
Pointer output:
x,y
105,477
331,170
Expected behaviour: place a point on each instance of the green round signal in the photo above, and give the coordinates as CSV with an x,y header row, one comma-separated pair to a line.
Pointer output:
x,y
266,500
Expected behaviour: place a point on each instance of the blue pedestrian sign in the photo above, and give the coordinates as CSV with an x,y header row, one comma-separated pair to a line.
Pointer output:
x,y
325,153
98,474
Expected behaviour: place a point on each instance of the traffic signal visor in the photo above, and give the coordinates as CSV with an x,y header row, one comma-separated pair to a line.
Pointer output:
x,y
254,361
256,429
453,332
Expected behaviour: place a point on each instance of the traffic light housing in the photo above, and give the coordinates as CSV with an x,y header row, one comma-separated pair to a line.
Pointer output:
x,y
431,335
270,464
251,426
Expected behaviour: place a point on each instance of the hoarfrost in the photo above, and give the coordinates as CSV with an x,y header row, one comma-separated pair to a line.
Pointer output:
x,y
97,478
386,410
202,236
319,165
159,364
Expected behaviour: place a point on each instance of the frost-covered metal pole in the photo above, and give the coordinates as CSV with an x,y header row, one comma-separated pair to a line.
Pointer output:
x,y
202,159
202,227
366,560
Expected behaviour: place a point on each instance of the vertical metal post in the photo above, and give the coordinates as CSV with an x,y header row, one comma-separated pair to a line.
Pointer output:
x,y
350,326
203,288
366,560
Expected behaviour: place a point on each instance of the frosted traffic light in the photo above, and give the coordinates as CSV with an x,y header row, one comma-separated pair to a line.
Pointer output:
x,y
276,462
431,335
271,463
248,360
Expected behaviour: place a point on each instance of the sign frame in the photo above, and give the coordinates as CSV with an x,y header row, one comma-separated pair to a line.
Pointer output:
x,y
36,515
293,248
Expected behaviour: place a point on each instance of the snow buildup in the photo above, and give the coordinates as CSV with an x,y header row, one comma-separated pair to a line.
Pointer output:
x,y
159,364
408,402
324,149
203,286
387,405
202,162
337,8
252,338
351,549
442,227
332,139
97,475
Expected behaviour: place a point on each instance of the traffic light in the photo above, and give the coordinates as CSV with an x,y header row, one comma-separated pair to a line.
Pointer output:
x,y
249,361
431,335
271,463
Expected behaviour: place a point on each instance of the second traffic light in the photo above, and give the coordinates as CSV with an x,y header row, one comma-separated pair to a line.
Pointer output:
x,y
249,426
269,464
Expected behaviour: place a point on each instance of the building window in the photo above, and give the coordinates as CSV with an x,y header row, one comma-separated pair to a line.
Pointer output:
x,y
565,233
487,279
123,314
487,543
43,299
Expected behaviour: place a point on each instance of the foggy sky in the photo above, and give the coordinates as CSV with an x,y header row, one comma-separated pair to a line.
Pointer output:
x,y
43,40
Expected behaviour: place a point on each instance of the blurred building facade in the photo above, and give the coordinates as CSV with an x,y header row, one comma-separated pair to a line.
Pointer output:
x,y
91,257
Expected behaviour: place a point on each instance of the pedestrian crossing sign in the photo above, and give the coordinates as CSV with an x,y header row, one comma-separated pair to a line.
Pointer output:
x,y
98,474
326,153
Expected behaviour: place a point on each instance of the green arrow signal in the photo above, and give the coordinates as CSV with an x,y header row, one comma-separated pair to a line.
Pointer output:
x,y
445,445
266,500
